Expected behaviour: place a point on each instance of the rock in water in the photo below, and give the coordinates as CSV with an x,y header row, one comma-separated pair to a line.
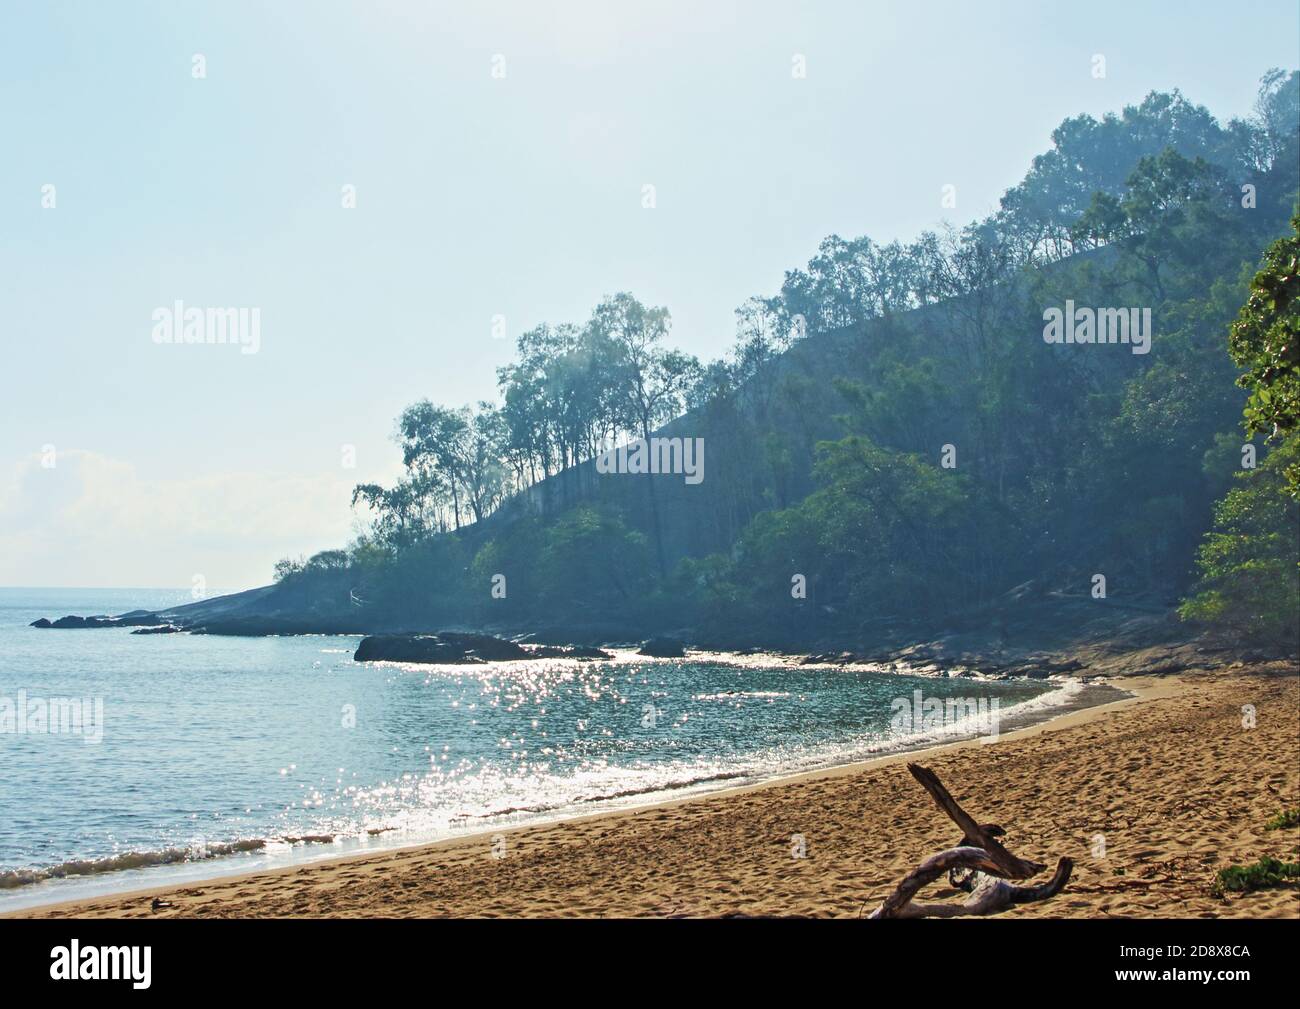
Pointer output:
x,y
413,648
484,646
136,618
459,648
663,648
77,623
567,652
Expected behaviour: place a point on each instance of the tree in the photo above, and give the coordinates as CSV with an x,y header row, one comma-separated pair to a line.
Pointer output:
x,y
286,568
972,455
1250,578
561,399
404,514
481,467
1271,137
329,560
432,439
651,383
1091,156
1171,206
591,562
1265,339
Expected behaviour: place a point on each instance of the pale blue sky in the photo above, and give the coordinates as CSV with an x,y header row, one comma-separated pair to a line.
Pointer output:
x,y
476,197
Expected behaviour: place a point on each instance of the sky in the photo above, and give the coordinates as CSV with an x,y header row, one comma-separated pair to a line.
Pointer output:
x,y
198,152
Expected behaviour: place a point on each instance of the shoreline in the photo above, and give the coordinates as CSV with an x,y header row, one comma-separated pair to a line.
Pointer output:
x,y
162,870
1094,700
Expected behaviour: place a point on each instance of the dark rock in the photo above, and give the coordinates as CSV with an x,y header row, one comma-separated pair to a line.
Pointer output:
x,y
567,652
136,618
164,629
71,623
455,647
1064,665
411,648
484,646
261,627
663,648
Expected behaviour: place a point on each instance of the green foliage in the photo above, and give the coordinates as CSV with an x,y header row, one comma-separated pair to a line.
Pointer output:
x,y
883,533
289,569
1264,874
1249,562
583,564
826,422
891,524
590,561
1265,339
329,560
451,457
1284,820
1170,207
286,568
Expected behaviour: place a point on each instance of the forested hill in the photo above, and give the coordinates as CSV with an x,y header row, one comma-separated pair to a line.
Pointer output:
x,y
760,437
903,433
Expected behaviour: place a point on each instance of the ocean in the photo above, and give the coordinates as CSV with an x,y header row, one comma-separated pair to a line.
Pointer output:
x,y
203,755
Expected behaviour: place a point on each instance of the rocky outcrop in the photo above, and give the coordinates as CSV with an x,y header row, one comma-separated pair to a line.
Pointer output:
x,y
566,652
263,627
412,648
484,646
80,623
164,629
136,618
1029,634
663,648
455,648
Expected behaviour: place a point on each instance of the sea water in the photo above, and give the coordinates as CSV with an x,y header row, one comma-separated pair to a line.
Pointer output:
x,y
223,754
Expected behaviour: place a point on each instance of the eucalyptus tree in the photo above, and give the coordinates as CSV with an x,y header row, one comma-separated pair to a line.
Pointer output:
x,y
433,439
650,383
482,455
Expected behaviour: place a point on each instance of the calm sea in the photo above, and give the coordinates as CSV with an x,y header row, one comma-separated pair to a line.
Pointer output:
x,y
220,754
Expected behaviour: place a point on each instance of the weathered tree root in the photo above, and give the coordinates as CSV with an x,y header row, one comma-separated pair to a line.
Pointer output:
x,y
981,857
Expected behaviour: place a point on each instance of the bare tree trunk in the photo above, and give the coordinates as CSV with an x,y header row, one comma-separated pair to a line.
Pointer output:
x,y
978,851
989,895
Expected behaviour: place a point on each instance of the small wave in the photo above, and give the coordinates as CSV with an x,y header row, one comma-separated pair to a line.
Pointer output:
x,y
763,765
13,878
1060,697
128,860
978,724
623,793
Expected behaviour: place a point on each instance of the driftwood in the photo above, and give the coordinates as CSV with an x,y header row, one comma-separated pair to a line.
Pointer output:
x,y
978,863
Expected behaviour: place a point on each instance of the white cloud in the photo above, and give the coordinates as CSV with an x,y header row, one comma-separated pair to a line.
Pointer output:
x,y
94,521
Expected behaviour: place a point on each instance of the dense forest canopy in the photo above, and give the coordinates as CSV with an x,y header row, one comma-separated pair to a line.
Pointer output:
x,y
891,435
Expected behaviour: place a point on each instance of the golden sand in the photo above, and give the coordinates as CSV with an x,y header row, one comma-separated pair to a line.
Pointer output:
x,y
1171,779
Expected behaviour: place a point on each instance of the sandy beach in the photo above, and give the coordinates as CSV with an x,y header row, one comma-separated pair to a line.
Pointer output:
x,y
1171,778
